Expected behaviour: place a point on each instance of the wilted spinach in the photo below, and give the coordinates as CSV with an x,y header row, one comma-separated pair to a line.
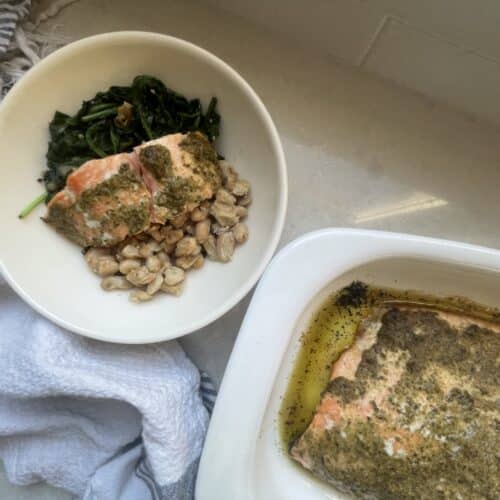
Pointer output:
x,y
115,121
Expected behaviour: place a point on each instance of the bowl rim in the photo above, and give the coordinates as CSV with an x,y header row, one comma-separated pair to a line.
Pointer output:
x,y
277,228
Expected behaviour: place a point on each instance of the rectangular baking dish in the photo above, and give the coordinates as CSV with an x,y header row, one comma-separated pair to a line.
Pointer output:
x,y
243,457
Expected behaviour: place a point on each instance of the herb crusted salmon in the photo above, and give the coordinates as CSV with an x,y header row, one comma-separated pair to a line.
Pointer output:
x,y
107,200
411,410
104,201
180,170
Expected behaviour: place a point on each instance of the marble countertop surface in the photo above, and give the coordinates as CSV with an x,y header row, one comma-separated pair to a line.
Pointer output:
x,y
361,152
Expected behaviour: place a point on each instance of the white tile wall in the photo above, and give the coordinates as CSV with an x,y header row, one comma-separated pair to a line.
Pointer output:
x,y
446,49
437,67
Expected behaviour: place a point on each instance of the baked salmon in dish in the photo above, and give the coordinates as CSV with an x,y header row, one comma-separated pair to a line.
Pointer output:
x,y
412,409
104,201
180,170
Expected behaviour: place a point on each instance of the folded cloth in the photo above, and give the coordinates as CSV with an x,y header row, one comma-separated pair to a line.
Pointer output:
x,y
22,44
104,421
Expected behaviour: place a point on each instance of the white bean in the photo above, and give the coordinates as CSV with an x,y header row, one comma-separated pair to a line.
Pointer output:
x,y
173,275
240,232
202,230
153,263
225,247
140,276
186,262
200,213
139,296
105,266
93,254
180,220
164,258
225,196
173,290
173,236
241,212
241,188
229,175
130,251
224,214
115,283
155,285
149,248
198,263
210,247
127,265
187,246
245,201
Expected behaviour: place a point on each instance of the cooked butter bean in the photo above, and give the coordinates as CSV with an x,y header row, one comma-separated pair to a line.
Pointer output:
x,y
164,258
105,266
186,262
241,212
241,188
115,283
187,246
202,230
127,265
210,247
198,263
200,213
224,214
245,201
140,276
153,263
173,236
240,232
180,220
157,234
217,229
173,290
93,254
149,248
130,252
225,247
225,196
139,296
155,285
229,175
173,275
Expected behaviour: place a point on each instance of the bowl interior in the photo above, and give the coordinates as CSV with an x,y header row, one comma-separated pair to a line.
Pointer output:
x,y
47,270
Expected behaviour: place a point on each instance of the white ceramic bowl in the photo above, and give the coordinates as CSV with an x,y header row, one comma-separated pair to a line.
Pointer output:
x,y
243,457
48,271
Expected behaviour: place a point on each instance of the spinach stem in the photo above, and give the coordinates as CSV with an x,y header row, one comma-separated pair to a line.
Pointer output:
x,y
99,107
29,208
100,114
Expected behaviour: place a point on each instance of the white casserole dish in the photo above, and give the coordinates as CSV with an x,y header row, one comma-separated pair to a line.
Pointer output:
x,y
243,458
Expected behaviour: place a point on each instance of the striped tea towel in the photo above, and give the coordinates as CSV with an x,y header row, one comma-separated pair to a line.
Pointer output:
x,y
22,44
103,421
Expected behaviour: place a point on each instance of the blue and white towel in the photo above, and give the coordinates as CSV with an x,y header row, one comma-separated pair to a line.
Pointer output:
x,y
22,44
11,12
103,421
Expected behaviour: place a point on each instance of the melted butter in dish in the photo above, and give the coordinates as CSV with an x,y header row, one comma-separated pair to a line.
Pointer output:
x,y
410,409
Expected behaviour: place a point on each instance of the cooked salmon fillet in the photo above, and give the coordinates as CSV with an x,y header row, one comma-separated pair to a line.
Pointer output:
x,y
412,410
180,170
106,200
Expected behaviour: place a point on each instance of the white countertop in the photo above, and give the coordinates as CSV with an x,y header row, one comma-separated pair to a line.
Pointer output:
x,y
361,152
